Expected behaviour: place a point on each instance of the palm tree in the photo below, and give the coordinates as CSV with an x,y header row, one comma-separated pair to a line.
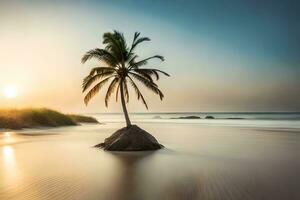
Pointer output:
x,y
122,68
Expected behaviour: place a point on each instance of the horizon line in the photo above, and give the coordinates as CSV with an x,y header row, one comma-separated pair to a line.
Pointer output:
x,y
204,112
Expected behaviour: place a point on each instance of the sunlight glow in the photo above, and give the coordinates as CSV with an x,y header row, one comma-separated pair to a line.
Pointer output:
x,y
8,152
9,165
10,92
8,137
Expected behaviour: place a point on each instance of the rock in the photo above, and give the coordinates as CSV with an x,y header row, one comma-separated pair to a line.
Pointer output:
x,y
131,138
209,117
235,118
187,117
157,117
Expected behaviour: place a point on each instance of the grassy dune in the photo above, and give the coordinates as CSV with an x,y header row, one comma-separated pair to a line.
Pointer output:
x,y
82,118
39,117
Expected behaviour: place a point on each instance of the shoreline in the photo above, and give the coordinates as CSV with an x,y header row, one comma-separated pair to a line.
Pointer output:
x,y
16,119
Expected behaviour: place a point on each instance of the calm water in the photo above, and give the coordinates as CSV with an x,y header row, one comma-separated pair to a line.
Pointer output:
x,y
203,159
267,120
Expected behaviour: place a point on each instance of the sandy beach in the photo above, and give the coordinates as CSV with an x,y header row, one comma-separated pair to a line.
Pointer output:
x,y
199,162
149,100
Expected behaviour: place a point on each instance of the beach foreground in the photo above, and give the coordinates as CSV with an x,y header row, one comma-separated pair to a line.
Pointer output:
x,y
199,162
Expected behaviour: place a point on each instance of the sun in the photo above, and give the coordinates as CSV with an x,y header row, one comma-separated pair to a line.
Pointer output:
x,y
10,92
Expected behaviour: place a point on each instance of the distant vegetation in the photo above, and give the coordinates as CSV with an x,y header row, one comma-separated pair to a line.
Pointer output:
x,y
39,117
83,119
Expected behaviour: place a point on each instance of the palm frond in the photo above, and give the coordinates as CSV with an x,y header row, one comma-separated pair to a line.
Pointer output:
x,y
157,70
141,77
137,91
148,84
115,43
89,80
121,39
95,90
140,40
101,55
135,37
143,74
110,90
137,40
99,70
150,72
145,61
131,60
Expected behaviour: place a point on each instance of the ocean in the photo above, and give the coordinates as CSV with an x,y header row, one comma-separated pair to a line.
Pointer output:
x,y
285,120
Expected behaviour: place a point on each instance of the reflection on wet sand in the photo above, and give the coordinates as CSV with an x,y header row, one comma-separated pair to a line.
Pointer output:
x,y
127,188
9,159
7,138
9,168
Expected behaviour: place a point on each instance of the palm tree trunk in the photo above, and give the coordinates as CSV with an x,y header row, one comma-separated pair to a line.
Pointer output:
x,y
128,123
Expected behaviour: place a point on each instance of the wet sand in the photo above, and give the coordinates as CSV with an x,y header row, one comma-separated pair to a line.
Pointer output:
x,y
199,162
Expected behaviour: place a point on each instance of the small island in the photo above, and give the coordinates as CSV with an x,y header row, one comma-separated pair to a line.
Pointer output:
x,y
39,117
209,117
187,117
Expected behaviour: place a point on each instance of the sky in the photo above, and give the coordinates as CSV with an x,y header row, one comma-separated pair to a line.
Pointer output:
x,y
223,56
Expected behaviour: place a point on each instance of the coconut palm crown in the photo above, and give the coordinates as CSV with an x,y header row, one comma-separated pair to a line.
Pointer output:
x,y
121,69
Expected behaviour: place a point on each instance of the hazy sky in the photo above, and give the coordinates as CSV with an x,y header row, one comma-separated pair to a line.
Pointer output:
x,y
222,55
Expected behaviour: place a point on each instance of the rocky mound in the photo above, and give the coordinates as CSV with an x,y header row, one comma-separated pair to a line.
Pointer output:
x,y
209,117
131,138
187,117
